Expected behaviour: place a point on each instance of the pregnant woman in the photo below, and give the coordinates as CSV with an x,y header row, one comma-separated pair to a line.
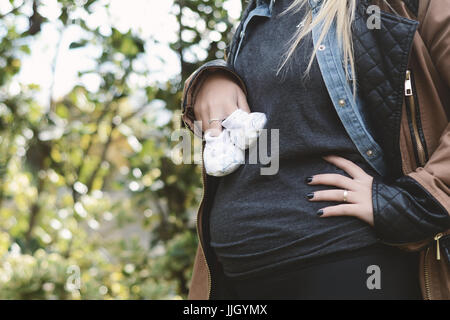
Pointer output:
x,y
359,208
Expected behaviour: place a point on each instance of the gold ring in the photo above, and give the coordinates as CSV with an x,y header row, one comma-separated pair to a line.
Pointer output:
x,y
212,120
345,195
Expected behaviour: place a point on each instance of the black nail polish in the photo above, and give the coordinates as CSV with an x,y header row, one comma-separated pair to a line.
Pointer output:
x,y
310,195
308,179
320,212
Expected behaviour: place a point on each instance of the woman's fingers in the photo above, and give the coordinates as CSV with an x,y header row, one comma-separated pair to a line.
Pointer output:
x,y
351,209
242,101
218,97
332,195
339,210
215,128
358,195
333,179
218,113
200,112
348,166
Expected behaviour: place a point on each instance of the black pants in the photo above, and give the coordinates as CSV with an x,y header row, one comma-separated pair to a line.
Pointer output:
x,y
376,272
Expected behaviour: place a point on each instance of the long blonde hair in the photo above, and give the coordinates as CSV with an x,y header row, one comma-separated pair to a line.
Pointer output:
x,y
341,11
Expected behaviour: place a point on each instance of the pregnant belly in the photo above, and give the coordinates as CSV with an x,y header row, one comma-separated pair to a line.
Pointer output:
x,y
260,220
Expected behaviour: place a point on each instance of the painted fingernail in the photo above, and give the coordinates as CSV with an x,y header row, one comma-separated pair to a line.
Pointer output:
x,y
320,212
310,195
308,179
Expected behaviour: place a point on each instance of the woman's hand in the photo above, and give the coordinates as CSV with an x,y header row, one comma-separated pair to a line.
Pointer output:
x,y
218,97
359,191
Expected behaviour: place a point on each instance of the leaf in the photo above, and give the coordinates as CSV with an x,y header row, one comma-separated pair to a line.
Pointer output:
x,y
25,49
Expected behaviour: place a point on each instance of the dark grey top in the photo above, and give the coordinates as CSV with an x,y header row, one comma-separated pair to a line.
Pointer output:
x,y
263,221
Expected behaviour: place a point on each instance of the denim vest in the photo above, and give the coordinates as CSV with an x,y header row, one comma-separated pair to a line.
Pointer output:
x,y
329,58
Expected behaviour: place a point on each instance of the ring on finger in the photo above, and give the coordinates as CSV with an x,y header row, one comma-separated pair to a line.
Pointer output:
x,y
345,196
212,120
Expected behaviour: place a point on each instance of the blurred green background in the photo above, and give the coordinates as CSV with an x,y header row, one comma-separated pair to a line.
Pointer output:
x,y
91,204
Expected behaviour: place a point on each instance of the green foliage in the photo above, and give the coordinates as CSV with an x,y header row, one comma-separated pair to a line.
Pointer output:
x,y
91,204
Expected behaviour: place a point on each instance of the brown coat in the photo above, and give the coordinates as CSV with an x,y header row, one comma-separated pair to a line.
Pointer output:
x,y
430,62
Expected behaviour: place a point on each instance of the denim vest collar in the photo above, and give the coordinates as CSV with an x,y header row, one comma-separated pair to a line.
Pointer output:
x,y
315,4
266,4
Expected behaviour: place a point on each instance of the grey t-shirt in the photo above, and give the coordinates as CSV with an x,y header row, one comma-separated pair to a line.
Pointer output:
x,y
263,221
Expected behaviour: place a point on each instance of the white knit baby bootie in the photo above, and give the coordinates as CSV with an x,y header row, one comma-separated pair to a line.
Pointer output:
x,y
244,127
221,156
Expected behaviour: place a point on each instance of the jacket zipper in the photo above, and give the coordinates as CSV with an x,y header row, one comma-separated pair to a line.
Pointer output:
x,y
413,113
414,122
438,251
426,269
198,229
427,276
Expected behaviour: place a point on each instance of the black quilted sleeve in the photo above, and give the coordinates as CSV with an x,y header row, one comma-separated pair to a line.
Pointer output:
x,y
405,212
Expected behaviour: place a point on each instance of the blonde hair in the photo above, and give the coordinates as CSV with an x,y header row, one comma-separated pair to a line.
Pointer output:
x,y
341,11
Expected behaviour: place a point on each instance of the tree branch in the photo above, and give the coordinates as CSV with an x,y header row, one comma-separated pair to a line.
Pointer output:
x,y
102,158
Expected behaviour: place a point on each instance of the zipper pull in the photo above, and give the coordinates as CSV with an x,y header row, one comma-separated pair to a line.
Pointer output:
x,y
438,252
408,84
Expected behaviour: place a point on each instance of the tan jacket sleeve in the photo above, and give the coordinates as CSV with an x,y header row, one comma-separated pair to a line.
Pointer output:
x,y
435,32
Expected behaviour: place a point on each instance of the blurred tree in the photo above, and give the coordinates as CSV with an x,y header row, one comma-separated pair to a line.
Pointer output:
x,y
91,204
